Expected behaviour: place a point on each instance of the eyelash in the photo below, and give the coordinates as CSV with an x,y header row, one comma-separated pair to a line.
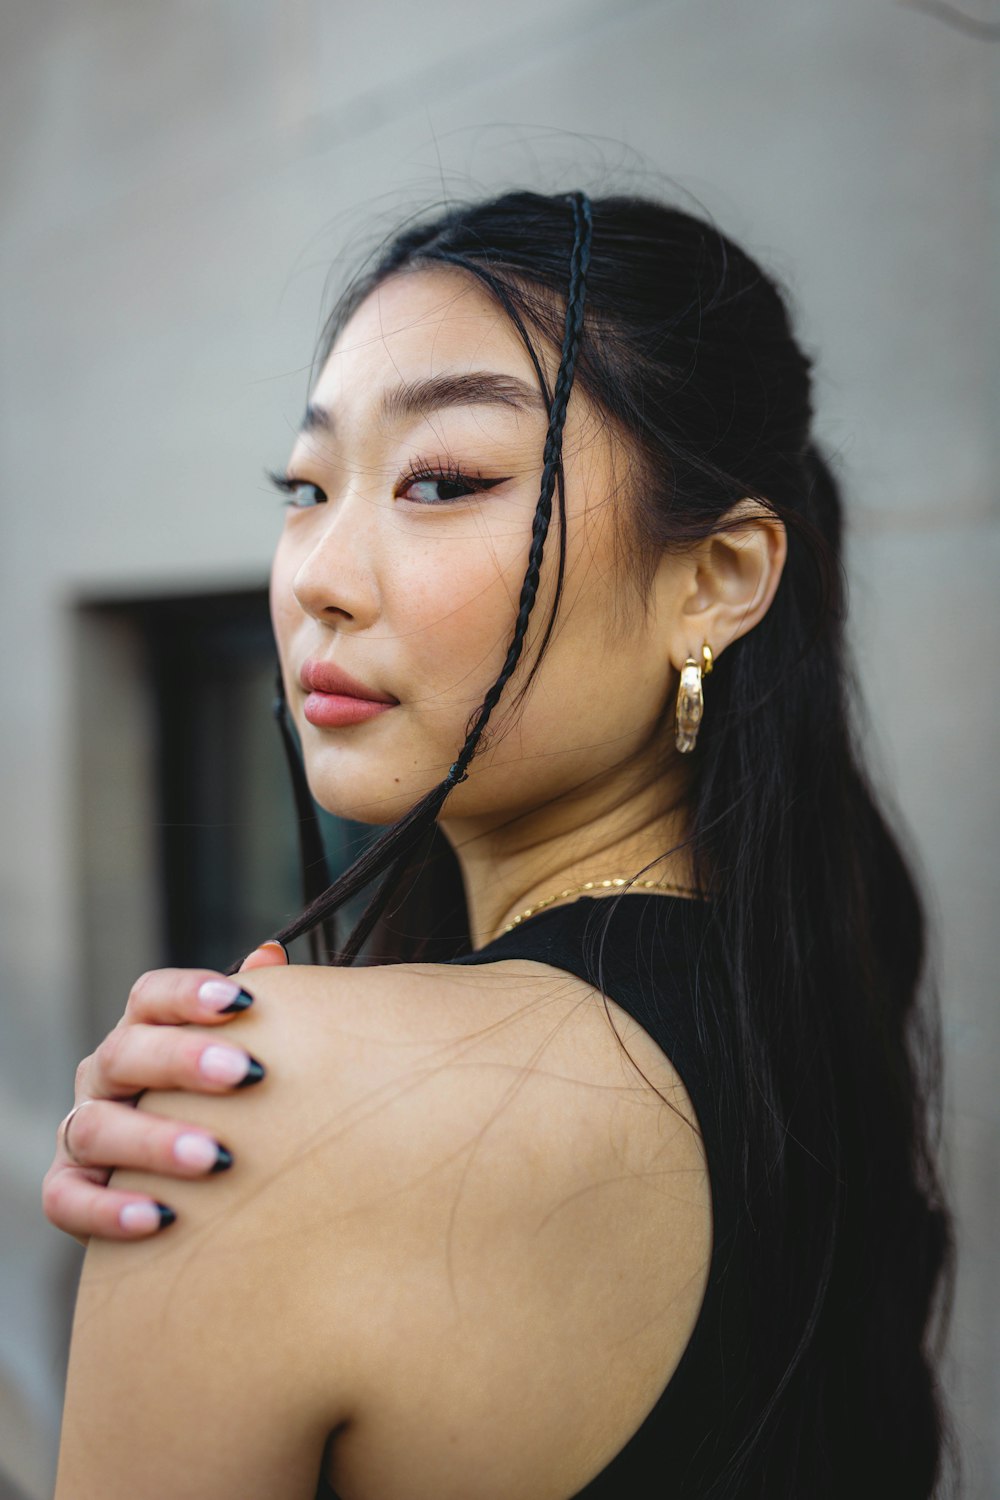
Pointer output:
x,y
423,471
286,485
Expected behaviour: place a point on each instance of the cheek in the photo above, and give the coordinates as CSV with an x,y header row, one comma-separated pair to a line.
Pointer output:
x,y
280,597
453,604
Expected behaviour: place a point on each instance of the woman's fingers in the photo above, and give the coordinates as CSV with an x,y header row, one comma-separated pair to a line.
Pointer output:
x,y
268,956
109,1135
136,1057
170,997
77,1201
160,1043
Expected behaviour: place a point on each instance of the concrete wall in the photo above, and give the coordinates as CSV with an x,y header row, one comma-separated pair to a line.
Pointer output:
x,y
177,179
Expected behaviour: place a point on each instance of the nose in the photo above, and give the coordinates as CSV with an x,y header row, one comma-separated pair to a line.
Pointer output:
x,y
335,579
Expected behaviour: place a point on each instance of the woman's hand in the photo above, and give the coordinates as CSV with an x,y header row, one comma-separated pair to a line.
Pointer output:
x,y
150,1048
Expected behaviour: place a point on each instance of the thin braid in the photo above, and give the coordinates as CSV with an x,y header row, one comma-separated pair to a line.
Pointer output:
x,y
497,289
579,263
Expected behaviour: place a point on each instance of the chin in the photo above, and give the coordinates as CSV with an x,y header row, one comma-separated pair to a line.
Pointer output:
x,y
369,798
377,809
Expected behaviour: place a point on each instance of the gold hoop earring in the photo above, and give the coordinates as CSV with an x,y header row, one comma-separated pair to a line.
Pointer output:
x,y
691,698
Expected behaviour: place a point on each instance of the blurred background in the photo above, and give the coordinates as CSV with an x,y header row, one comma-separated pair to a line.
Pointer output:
x,y
182,186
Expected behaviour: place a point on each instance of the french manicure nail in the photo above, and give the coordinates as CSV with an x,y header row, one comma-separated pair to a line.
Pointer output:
x,y
255,1072
224,996
226,1065
201,1152
146,1216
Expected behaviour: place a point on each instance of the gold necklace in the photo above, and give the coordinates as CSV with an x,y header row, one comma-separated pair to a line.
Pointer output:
x,y
599,885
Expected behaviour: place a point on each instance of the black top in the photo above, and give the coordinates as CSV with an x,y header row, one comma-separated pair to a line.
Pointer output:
x,y
644,954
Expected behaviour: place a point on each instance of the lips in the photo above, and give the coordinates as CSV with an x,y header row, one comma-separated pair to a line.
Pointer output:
x,y
324,677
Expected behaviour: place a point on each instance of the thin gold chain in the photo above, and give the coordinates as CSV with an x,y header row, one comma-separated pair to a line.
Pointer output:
x,y
599,885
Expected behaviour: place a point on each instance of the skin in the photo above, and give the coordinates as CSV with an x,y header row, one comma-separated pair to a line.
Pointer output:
x,y
434,1154
418,601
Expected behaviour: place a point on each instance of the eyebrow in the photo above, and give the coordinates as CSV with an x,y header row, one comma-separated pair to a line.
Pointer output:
x,y
417,398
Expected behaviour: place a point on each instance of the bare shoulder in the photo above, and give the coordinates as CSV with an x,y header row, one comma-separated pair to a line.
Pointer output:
x,y
479,1202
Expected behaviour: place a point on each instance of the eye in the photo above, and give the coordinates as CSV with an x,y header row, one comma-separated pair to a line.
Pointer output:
x,y
301,493
439,483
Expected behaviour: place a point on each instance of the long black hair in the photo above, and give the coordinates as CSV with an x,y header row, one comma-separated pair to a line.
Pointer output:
x,y
819,1025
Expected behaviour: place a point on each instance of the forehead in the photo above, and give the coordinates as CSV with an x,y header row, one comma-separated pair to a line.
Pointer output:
x,y
425,322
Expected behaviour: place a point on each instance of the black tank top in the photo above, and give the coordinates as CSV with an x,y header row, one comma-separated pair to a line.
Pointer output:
x,y
644,953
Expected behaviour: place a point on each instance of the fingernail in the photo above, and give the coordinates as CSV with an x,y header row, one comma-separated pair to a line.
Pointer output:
x,y
145,1216
274,943
255,1072
202,1152
226,1065
223,996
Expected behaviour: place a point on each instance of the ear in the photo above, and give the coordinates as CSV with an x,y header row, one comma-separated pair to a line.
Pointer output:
x,y
730,580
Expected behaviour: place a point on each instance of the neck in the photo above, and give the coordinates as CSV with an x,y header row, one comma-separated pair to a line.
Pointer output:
x,y
614,825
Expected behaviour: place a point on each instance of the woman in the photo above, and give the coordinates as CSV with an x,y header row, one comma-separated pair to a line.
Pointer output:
x,y
632,1190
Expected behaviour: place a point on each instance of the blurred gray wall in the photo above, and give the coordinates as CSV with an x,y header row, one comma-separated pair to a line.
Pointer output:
x,y
177,179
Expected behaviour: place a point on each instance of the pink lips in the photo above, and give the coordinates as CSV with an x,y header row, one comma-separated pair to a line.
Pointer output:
x,y
336,699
